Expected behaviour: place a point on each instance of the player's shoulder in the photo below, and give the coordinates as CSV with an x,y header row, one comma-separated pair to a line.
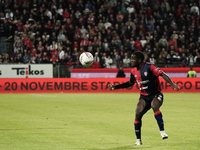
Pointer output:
x,y
147,65
134,69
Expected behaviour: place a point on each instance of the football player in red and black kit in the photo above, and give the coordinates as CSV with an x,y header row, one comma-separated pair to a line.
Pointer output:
x,y
146,75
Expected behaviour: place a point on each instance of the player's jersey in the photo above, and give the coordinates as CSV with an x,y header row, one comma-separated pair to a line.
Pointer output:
x,y
147,79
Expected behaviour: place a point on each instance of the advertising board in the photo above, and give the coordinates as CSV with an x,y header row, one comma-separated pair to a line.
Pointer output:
x,y
66,85
26,71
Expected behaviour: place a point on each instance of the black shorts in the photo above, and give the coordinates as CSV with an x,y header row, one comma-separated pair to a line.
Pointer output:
x,y
149,98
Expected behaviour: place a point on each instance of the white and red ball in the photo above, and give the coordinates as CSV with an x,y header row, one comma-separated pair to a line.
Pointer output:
x,y
86,59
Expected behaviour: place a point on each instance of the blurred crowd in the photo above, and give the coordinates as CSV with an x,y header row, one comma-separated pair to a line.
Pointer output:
x,y
58,31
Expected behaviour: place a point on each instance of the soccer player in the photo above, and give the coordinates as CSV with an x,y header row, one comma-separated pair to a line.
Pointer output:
x,y
146,75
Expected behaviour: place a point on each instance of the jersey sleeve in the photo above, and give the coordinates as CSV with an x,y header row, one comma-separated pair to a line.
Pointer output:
x,y
155,70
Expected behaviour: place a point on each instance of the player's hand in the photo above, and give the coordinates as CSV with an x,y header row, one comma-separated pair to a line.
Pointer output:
x,y
175,87
111,87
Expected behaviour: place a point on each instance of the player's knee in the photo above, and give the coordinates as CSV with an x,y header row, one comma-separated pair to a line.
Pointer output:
x,y
155,107
138,115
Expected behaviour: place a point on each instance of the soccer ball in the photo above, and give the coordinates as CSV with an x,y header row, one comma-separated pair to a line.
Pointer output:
x,y
86,59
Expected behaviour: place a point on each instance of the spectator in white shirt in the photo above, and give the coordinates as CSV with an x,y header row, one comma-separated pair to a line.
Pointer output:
x,y
107,24
61,52
130,9
109,62
54,46
96,58
77,14
143,41
60,10
61,36
9,14
48,13
194,8
126,61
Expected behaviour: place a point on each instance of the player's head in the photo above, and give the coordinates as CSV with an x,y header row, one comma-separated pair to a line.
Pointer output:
x,y
137,58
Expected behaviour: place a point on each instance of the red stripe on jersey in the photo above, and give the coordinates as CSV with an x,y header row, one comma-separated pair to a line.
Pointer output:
x,y
138,79
156,71
157,112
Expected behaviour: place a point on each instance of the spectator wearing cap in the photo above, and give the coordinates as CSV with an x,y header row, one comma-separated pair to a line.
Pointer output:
x,y
96,58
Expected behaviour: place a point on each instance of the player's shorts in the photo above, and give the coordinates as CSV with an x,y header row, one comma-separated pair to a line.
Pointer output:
x,y
149,98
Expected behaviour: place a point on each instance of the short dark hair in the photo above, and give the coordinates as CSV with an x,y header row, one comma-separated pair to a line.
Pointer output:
x,y
139,54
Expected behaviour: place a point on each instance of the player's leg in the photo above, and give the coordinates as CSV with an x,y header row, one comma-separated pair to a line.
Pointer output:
x,y
155,105
141,108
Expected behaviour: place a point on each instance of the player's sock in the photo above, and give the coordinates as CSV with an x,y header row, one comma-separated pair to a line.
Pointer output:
x,y
159,118
138,125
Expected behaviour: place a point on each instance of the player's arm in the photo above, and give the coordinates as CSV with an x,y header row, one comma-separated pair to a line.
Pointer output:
x,y
127,84
168,79
119,86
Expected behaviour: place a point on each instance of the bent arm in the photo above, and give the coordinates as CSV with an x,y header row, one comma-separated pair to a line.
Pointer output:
x,y
123,85
168,79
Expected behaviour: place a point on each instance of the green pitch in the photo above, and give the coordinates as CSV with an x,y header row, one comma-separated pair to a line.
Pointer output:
x,y
95,122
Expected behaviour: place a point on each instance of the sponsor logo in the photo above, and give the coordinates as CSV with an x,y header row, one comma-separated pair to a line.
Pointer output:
x,y
27,71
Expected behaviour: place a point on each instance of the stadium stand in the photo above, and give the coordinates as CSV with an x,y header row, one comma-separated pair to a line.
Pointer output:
x,y
58,31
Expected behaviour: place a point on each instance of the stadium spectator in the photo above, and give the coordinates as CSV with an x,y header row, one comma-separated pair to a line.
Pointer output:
x,y
137,44
38,23
126,61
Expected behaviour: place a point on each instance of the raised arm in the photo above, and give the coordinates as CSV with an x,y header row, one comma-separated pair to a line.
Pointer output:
x,y
168,79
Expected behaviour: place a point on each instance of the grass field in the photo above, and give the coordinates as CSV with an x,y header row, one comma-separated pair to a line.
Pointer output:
x,y
95,122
